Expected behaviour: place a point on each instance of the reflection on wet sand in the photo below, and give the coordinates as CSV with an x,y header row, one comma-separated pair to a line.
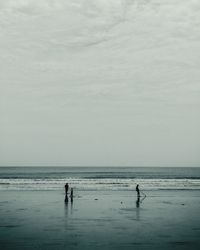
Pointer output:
x,y
67,205
138,202
137,208
66,199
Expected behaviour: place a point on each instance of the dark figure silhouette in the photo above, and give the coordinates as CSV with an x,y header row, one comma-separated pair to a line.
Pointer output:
x,y
71,194
137,190
66,188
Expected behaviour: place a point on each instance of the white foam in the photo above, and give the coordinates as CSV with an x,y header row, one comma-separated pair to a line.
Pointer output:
x,y
99,184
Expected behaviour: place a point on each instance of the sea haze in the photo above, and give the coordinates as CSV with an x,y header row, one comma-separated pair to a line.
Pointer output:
x,y
99,178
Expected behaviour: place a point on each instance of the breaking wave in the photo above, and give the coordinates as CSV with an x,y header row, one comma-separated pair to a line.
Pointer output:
x,y
99,184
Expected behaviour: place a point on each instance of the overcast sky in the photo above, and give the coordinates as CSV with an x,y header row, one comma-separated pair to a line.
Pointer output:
x,y
100,82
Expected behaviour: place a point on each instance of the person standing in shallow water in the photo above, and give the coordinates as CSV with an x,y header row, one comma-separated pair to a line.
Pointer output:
x,y
137,190
66,188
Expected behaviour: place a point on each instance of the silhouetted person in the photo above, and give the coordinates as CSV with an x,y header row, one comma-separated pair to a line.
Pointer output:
x,y
71,194
66,188
137,190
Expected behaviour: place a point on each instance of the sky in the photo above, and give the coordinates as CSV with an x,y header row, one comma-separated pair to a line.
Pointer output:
x,y
99,82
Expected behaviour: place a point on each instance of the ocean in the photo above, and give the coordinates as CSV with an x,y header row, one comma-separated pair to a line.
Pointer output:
x,y
99,178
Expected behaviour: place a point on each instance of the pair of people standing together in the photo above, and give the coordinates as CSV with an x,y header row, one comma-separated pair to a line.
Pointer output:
x,y
66,192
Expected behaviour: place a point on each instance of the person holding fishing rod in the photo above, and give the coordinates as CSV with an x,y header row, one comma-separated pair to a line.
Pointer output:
x,y
138,191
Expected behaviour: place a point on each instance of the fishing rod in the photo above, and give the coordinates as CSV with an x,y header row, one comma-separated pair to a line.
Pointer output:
x,y
143,193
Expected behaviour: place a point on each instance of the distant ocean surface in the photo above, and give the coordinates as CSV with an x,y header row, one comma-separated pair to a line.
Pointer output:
x,y
99,178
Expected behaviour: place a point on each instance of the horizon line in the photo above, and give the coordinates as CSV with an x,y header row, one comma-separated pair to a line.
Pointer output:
x,y
97,166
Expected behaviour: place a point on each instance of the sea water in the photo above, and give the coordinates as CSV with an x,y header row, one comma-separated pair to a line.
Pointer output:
x,y
99,178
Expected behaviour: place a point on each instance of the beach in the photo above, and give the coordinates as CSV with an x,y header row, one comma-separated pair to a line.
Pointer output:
x,y
165,219
99,100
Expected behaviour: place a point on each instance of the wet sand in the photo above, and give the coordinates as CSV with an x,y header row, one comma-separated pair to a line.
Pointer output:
x,y
99,220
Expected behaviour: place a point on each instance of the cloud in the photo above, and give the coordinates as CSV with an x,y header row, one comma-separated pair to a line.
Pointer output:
x,y
124,73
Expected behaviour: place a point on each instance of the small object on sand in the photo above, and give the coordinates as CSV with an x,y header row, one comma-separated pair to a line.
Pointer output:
x,y
96,199
182,204
121,202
